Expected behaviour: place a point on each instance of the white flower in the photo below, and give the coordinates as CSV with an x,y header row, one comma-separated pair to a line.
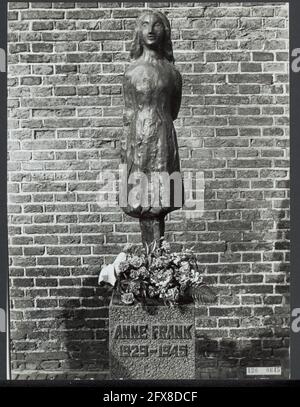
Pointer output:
x,y
166,245
185,266
107,274
120,258
176,261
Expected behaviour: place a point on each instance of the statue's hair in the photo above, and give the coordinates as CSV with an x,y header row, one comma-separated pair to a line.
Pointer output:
x,y
166,49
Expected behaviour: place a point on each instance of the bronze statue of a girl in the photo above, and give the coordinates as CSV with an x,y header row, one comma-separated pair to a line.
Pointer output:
x,y
152,90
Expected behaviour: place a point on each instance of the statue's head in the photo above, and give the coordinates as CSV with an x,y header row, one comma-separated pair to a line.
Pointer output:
x,y
153,30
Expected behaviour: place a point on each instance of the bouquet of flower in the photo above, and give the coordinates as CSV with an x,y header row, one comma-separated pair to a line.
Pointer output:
x,y
155,274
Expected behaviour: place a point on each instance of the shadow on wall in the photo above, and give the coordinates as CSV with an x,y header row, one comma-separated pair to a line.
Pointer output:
x,y
262,341
86,331
229,358
263,345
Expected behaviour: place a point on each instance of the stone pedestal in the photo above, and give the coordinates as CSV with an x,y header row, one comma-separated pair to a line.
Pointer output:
x,y
154,342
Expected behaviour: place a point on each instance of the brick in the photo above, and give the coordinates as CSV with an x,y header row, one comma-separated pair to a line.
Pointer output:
x,y
65,91
41,5
18,5
251,67
251,78
42,15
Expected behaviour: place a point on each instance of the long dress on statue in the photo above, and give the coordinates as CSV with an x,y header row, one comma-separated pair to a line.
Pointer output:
x,y
152,96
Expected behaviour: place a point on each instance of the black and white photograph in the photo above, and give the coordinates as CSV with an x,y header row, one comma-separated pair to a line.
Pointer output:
x,y
148,200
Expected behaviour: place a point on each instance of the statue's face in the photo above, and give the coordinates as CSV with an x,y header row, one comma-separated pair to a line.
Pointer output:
x,y
152,30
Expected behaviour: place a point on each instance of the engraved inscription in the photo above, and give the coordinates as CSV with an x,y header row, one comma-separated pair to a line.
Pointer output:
x,y
156,333
164,350
131,332
172,331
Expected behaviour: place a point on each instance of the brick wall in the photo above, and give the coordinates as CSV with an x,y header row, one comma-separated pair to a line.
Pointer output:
x,y
65,117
